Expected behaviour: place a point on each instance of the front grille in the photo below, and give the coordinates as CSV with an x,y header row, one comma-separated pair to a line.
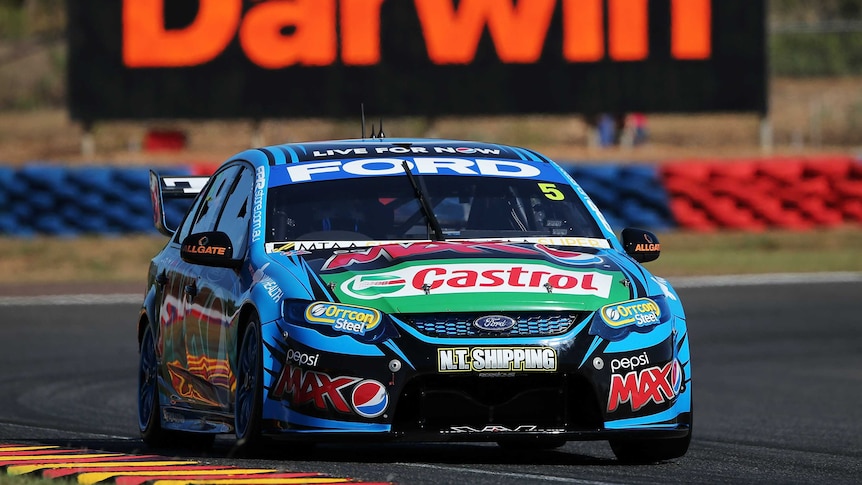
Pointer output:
x,y
439,404
461,324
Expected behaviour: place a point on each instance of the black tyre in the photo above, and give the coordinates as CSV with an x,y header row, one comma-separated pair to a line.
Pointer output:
x,y
149,411
149,422
650,450
249,389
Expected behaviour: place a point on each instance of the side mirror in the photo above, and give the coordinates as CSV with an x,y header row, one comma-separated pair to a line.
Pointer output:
x,y
642,246
209,249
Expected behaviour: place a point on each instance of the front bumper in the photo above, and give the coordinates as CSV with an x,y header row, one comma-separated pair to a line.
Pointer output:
x,y
337,388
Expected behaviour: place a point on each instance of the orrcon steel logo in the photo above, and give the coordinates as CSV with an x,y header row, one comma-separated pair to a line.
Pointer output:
x,y
503,277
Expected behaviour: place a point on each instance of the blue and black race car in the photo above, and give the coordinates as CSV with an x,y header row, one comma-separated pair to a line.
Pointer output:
x,y
407,289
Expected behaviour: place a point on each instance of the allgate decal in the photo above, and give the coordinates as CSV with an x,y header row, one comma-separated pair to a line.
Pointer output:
x,y
328,32
501,277
639,388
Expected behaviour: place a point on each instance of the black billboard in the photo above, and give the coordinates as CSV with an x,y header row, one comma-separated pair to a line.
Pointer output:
x,y
133,59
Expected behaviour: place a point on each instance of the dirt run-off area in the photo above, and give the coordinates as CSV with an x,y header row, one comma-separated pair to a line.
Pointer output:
x,y
808,116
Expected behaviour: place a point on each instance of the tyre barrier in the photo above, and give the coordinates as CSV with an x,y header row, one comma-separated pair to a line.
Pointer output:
x,y
697,195
46,199
752,195
627,195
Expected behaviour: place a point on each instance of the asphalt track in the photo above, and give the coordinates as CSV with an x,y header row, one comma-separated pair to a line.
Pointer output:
x,y
777,391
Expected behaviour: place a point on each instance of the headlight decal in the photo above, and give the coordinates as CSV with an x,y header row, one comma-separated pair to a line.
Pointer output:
x,y
617,321
332,319
344,318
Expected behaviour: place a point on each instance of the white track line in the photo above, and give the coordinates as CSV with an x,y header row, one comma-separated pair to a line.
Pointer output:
x,y
528,476
764,279
57,300
678,282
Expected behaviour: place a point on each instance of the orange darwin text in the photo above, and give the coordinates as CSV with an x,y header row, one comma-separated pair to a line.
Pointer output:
x,y
276,34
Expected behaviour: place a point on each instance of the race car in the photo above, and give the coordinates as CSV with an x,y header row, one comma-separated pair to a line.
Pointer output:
x,y
407,289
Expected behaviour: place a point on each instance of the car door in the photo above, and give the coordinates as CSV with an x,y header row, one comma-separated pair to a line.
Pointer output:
x,y
213,292
177,304
173,276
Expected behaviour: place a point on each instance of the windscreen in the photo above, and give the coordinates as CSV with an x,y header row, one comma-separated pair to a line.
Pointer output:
x,y
387,209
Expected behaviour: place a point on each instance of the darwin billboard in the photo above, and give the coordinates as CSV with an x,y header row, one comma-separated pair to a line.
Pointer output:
x,y
135,59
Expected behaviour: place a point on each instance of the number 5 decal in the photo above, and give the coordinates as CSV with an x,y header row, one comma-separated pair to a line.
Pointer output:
x,y
551,191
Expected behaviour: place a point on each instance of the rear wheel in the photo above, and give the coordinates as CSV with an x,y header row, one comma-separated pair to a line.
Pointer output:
x,y
149,421
149,410
249,389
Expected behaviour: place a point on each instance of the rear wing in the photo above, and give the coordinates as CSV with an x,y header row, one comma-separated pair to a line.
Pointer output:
x,y
171,187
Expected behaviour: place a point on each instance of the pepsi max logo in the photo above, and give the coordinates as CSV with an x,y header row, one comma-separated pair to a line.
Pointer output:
x,y
369,399
494,323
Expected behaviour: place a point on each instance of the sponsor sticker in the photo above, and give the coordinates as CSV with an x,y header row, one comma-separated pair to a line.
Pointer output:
x,y
641,387
257,204
414,280
203,247
369,398
495,428
496,359
376,249
403,150
640,312
628,363
270,285
313,171
343,318
343,394
618,320
302,358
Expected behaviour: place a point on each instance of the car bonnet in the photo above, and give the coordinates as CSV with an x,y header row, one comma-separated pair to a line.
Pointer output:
x,y
474,276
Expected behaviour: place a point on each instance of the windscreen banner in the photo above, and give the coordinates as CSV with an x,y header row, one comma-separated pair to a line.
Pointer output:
x,y
133,59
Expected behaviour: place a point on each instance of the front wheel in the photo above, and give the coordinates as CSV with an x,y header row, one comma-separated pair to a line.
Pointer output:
x,y
249,389
650,450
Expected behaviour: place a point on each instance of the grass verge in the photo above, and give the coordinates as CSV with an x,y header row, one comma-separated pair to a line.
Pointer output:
x,y
25,480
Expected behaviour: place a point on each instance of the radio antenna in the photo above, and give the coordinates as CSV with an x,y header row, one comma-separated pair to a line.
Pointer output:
x,y
362,109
